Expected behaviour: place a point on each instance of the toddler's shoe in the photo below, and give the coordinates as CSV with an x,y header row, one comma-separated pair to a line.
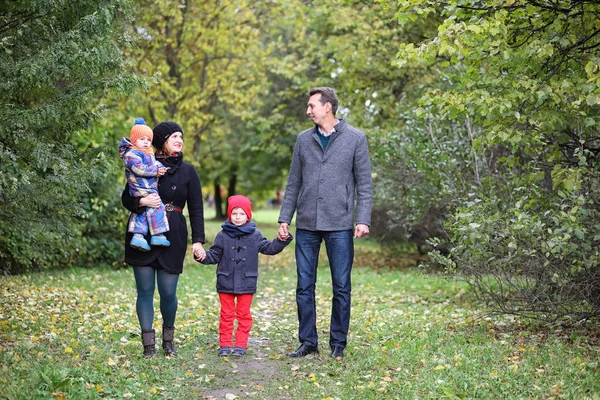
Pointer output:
x,y
138,242
159,240
224,351
238,352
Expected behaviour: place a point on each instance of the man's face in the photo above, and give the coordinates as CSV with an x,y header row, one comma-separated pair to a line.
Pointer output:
x,y
315,110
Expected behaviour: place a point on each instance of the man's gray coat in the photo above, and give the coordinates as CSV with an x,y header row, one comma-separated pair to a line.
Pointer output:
x,y
322,184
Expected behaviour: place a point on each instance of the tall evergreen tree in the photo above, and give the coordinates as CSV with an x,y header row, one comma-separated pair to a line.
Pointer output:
x,y
56,59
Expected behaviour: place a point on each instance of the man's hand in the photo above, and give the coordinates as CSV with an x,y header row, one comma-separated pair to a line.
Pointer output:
x,y
361,230
282,232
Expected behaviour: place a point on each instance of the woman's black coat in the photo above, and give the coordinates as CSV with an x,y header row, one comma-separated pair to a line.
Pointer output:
x,y
180,185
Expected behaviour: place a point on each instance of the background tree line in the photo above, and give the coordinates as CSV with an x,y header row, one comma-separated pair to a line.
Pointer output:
x,y
482,119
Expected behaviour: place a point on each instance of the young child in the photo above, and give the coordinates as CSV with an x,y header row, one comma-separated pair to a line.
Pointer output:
x,y
142,172
235,250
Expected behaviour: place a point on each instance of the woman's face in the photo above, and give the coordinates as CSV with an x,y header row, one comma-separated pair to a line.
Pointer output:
x,y
174,143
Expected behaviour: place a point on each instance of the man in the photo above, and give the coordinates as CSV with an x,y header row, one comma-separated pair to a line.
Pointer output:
x,y
329,166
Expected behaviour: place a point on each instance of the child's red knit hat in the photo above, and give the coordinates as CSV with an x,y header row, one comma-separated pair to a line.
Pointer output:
x,y
140,129
239,201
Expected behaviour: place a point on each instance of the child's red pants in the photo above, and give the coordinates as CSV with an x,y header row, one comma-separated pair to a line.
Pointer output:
x,y
230,310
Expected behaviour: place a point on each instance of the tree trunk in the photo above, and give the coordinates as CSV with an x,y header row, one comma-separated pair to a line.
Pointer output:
x,y
218,199
232,184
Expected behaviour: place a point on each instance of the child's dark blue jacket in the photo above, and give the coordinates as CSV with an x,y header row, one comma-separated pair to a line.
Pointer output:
x,y
236,254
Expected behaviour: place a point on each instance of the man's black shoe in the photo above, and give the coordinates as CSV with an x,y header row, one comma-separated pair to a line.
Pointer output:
x,y
304,350
337,352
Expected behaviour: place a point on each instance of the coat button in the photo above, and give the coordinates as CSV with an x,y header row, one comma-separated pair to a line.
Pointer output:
x,y
244,247
232,259
244,259
232,247
173,187
323,162
320,198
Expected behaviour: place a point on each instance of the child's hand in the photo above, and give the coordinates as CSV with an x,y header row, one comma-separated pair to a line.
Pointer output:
x,y
199,254
162,171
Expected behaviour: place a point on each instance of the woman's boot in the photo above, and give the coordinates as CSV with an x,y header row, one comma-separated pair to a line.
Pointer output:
x,y
167,340
148,342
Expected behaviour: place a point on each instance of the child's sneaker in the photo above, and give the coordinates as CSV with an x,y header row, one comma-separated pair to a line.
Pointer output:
x,y
138,242
238,352
224,351
159,240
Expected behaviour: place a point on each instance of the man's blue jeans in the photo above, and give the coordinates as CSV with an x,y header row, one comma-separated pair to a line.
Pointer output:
x,y
340,252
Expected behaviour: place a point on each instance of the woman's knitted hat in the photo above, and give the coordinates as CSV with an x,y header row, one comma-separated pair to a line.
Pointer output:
x,y
140,129
162,132
239,201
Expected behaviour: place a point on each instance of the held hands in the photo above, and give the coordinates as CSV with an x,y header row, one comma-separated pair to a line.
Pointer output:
x,y
199,252
361,230
282,232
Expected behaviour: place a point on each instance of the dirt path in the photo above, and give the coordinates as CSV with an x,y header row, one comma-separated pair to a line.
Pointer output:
x,y
245,376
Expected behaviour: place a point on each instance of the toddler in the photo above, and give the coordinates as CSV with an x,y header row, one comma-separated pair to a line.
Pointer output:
x,y
142,172
235,250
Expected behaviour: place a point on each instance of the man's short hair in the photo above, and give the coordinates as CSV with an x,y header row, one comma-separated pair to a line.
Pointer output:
x,y
327,96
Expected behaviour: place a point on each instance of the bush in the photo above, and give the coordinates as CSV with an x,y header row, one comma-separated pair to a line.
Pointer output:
x,y
535,254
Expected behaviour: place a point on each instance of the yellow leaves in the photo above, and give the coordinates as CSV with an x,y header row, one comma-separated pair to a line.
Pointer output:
x,y
59,395
153,390
68,350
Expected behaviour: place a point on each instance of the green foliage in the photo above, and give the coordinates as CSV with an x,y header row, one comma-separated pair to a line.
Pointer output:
x,y
529,253
56,60
419,170
524,76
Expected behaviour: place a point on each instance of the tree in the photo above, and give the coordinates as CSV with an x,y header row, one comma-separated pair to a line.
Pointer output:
x,y
208,59
56,58
526,77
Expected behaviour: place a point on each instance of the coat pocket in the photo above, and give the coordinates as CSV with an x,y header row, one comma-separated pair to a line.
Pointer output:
x,y
224,281
251,279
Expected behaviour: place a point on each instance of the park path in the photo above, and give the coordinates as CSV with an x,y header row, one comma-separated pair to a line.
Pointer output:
x,y
245,376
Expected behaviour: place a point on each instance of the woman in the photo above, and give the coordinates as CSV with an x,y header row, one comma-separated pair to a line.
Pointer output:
x,y
180,185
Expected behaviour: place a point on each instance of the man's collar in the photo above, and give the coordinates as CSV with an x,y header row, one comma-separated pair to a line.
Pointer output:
x,y
337,121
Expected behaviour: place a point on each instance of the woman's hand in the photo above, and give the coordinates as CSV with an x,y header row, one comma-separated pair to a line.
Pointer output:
x,y
198,250
152,201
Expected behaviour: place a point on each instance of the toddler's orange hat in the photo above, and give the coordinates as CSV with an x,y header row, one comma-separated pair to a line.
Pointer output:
x,y
140,129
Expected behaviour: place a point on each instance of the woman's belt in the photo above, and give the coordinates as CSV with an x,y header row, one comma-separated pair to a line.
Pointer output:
x,y
170,207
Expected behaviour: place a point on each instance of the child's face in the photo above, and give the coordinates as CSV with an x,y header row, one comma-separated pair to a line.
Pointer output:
x,y
238,217
143,143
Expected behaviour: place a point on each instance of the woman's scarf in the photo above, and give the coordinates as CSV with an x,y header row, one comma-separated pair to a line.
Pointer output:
x,y
169,160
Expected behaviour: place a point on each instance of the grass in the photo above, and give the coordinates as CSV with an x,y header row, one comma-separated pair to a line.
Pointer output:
x,y
74,335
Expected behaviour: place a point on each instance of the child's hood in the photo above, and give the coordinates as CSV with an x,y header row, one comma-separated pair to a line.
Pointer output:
x,y
124,146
